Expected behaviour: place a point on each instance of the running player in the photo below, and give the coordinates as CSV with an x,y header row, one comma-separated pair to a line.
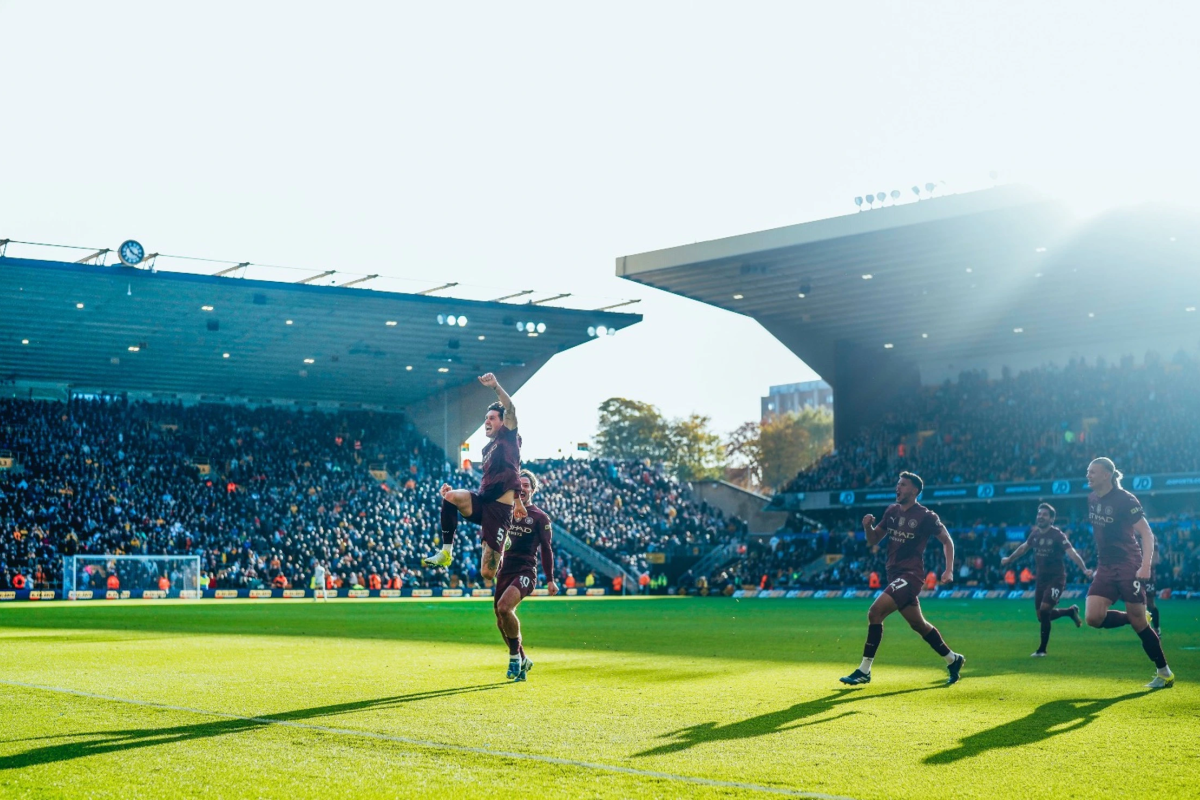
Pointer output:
x,y
1122,563
908,525
518,573
1049,545
492,506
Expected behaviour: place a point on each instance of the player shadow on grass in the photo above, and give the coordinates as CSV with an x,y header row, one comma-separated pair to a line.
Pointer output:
x,y
1047,720
773,722
115,741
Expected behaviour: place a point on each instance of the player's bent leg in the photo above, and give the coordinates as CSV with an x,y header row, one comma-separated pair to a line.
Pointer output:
x,y
883,607
1044,618
1096,611
489,563
460,499
1152,646
454,503
510,627
1137,616
933,637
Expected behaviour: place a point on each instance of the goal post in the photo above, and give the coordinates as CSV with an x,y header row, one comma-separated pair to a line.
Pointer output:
x,y
148,576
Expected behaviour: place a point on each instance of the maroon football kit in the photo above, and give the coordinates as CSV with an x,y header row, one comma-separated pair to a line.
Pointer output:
x,y
1050,546
526,536
908,533
1118,549
501,468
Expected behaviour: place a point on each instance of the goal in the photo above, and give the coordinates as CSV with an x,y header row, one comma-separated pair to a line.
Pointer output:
x,y
141,576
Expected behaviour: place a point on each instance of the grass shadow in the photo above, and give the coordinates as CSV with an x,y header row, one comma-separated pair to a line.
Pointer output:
x,y
101,742
1047,720
774,722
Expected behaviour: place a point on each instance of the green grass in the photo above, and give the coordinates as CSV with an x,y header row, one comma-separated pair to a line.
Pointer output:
x,y
744,692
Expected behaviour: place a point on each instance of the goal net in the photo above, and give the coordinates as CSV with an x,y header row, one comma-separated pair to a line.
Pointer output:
x,y
149,576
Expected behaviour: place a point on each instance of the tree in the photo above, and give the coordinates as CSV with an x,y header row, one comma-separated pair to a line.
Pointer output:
x,y
775,451
744,450
631,430
695,451
792,442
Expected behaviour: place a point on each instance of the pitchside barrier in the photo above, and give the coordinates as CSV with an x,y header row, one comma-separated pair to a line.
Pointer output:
x,y
356,594
940,594
267,594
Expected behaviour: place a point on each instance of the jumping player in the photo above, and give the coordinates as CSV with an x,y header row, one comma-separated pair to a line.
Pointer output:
x,y
492,506
1049,546
518,573
908,525
1123,563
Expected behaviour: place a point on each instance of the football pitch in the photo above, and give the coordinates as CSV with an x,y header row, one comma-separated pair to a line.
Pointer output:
x,y
667,697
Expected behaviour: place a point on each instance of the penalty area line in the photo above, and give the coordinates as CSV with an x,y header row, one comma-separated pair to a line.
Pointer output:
x,y
456,748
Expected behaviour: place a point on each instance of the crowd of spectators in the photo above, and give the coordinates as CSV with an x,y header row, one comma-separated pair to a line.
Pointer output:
x,y
627,509
260,493
257,493
1041,423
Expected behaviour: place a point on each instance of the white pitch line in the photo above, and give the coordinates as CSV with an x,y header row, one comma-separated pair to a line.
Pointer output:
x,y
458,748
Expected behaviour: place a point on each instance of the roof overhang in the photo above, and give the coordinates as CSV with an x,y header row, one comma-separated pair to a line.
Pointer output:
x,y
126,329
950,282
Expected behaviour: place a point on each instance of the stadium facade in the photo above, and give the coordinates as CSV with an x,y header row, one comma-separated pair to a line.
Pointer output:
x,y
70,328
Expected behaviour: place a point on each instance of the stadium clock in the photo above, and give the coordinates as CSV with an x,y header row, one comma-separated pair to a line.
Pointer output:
x,y
131,253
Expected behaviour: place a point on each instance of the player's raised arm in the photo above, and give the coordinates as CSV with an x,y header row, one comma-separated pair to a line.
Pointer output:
x,y
1142,529
943,535
510,411
874,534
1020,551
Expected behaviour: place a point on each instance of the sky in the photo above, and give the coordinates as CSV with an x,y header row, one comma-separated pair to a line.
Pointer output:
x,y
531,144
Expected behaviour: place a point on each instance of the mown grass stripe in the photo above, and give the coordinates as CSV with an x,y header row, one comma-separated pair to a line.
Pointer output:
x,y
458,748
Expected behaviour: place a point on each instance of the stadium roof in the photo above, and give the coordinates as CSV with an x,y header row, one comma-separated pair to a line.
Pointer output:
x,y
950,282
128,329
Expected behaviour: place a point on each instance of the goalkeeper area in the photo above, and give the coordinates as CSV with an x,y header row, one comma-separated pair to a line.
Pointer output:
x,y
113,576
646,697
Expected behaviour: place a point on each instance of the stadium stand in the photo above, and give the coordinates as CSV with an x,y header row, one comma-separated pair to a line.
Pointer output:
x,y
627,509
260,492
1036,423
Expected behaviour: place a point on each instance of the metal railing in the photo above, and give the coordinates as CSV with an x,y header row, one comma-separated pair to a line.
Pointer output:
x,y
594,559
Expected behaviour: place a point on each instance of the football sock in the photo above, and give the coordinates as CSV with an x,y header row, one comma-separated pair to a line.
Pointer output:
x,y
934,640
874,637
1165,672
449,523
1045,632
514,646
1156,619
1115,619
1055,613
865,666
1153,647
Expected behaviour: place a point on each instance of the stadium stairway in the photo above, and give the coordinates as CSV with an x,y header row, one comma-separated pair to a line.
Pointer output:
x,y
734,501
819,565
717,559
593,559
